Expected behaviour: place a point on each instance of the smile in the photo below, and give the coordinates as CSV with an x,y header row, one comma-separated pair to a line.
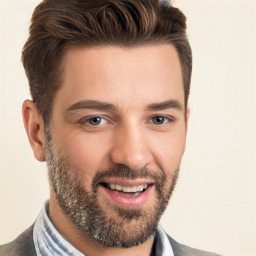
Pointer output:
x,y
128,195
126,190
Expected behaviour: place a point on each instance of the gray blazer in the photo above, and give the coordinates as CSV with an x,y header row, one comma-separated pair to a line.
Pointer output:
x,y
23,245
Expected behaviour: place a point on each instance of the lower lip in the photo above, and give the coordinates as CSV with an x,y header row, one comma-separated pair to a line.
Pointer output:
x,y
129,201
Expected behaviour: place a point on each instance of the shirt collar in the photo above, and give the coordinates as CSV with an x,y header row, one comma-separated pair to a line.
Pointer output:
x,y
49,242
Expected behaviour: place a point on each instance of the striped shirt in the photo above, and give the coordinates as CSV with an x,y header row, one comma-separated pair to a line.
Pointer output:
x,y
49,242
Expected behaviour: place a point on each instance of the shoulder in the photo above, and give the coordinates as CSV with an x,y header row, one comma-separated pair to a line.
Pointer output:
x,y
183,250
22,245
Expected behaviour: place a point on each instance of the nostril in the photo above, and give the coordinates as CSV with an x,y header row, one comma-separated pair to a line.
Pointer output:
x,y
133,154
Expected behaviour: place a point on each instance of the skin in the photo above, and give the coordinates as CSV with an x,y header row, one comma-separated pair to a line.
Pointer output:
x,y
132,79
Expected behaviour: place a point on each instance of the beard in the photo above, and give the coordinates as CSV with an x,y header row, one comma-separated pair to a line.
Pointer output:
x,y
110,225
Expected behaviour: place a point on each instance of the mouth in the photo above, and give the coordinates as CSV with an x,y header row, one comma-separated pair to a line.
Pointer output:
x,y
126,190
128,194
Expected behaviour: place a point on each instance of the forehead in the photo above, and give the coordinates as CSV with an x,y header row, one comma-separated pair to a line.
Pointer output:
x,y
121,75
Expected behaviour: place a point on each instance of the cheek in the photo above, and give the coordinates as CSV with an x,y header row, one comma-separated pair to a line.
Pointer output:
x,y
168,150
85,152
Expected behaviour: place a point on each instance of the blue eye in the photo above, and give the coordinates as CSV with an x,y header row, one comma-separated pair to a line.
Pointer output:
x,y
96,121
160,120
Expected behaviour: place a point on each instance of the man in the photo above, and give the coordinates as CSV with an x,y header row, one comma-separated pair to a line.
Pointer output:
x,y
110,82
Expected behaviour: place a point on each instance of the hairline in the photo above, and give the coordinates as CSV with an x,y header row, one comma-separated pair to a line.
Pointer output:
x,y
129,44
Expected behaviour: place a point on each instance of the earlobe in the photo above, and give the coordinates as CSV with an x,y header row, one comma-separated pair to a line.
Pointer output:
x,y
34,126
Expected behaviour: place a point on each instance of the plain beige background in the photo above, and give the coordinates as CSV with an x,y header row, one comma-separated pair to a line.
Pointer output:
x,y
213,207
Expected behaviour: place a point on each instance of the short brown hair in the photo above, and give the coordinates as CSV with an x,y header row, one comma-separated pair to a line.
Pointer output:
x,y
58,24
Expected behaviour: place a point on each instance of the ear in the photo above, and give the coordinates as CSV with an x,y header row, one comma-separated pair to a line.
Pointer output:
x,y
186,128
187,117
34,126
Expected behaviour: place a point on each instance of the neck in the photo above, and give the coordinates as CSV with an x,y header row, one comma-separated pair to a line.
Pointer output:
x,y
86,244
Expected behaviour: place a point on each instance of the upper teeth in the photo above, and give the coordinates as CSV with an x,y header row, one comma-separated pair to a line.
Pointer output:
x,y
127,189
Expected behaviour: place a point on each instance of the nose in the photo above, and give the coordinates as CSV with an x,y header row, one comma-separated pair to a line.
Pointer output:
x,y
131,148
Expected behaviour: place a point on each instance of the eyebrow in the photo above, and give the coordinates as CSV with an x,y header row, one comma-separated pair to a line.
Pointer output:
x,y
92,104
175,104
99,105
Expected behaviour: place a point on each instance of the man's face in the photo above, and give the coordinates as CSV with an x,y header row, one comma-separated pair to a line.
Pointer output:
x,y
116,140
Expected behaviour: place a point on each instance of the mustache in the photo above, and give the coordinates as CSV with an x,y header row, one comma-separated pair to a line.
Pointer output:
x,y
122,171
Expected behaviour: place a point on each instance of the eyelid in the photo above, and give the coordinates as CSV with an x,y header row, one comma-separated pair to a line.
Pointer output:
x,y
167,117
85,120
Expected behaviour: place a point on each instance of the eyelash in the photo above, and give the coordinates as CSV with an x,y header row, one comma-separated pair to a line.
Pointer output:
x,y
86,120
167,119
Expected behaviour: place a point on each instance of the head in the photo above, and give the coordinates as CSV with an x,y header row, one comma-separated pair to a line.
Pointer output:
x,y
110,83
57,25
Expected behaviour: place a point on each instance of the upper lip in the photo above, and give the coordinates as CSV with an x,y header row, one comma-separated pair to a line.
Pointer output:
x,y
127,182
